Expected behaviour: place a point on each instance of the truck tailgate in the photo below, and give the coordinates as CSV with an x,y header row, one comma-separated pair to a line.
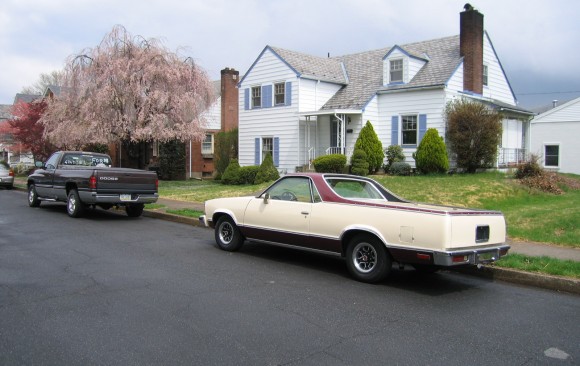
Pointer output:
x,y
125,181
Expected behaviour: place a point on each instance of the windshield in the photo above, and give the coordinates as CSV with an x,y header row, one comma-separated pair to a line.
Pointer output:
x,y
354,189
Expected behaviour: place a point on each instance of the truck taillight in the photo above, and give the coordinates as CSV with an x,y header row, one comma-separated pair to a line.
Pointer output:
x,y
93,182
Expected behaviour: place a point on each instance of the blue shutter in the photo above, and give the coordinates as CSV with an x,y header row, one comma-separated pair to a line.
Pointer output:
x,y
288,93
267,96
247,98
257,151
395,130
422,127
276,149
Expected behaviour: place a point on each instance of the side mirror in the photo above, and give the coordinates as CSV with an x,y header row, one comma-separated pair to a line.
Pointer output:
x,y
266,198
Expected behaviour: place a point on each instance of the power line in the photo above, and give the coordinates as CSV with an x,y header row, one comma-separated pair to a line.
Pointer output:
x,y
546,93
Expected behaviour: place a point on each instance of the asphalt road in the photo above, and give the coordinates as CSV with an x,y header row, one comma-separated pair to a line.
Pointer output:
x,y
110,290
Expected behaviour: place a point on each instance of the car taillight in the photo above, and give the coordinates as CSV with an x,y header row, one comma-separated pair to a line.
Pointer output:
x,y
93,182
11,173
156,183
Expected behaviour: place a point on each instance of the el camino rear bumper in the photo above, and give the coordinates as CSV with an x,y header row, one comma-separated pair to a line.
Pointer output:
x,y
95,198
470,256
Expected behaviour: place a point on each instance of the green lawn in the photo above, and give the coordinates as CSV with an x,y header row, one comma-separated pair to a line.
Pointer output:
x,y
531,216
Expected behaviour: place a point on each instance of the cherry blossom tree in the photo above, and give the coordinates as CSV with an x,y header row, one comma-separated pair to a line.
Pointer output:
x,y
27,131
129,89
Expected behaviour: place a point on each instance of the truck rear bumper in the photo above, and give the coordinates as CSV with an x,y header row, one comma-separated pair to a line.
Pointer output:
x,y
470,256
94,198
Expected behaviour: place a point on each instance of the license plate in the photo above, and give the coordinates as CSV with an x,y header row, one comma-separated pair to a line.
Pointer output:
x,y
125,197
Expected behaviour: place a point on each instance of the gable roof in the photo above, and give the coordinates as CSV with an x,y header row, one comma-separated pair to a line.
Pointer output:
x,y
567,112
361,74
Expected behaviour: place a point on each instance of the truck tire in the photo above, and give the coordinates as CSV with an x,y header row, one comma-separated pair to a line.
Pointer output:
x,y
135,210
74,206
33,200
367,259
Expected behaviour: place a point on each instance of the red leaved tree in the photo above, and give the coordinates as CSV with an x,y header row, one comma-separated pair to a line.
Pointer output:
x,y
27,131
128,89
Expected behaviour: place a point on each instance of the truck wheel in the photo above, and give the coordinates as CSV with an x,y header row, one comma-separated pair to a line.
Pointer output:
x,y
134,210
74,206
33,200
367,259
227,234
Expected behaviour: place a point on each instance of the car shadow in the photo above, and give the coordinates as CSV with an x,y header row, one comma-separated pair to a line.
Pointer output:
x,y
407,279
97,213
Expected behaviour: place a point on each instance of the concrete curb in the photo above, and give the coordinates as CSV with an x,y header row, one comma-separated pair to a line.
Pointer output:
x,y
493,273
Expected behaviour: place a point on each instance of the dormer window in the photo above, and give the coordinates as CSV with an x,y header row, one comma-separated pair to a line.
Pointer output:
x,y
396,71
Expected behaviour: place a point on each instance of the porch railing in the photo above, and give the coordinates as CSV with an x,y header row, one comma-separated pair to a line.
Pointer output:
x,y
508,157
339,150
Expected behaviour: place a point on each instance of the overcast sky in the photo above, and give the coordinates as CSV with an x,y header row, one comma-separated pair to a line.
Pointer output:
x,y
537,41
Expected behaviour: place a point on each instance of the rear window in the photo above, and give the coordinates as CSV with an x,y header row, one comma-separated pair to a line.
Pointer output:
x,y
86,160
4,166
354,189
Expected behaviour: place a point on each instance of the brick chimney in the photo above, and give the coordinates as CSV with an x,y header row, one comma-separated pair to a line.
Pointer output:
x,y
229,91
471,48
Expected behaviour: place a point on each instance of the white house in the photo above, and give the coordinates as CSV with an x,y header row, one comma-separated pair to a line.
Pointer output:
x,y
554,137
298,107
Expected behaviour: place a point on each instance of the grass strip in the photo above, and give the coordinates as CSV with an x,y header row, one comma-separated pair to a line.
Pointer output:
x,y
544,265
188,212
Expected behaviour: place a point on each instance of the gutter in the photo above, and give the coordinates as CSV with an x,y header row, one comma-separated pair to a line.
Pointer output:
x,y
430,87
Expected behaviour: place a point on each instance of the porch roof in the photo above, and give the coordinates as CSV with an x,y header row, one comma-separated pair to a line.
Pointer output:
x,y
330,112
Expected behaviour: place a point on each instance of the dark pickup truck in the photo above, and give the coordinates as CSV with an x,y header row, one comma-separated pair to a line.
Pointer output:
x,y
85,179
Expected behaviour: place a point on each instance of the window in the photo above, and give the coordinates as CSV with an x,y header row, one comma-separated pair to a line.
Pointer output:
x,y
355,189
409,130
279,94
396,71
207,144
552,156
267,147
485,75
256,97
291,189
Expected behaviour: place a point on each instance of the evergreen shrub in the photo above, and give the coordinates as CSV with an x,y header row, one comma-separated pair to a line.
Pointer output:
x,y
333,163
431,155
393,153
358,163
267,172
400,168
247,174
369,142
232,173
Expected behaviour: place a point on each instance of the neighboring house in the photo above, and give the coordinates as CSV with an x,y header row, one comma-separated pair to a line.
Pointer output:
x,y
554,137
222,116
8,150
298,107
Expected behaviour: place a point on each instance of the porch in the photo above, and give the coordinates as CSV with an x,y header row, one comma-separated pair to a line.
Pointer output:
x,y
325,133
510,157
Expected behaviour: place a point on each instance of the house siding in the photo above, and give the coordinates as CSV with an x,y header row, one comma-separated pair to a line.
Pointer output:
x,y
314,94
498,87
429,103
559,126
276,121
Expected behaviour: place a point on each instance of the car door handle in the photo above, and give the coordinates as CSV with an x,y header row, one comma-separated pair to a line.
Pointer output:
x,y
305,213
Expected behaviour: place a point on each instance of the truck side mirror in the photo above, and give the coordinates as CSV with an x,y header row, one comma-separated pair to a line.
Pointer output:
x,y
39,164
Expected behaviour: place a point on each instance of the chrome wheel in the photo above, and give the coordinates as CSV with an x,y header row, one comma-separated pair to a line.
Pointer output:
x,y
33,200
226,232
367,258
364,257
74,206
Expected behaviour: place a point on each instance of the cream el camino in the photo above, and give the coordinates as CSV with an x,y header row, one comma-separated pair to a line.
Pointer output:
x,y
357,218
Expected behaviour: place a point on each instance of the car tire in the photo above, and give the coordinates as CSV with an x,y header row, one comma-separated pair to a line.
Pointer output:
x,y
227,234
367,259
134,210
74,206
33,200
